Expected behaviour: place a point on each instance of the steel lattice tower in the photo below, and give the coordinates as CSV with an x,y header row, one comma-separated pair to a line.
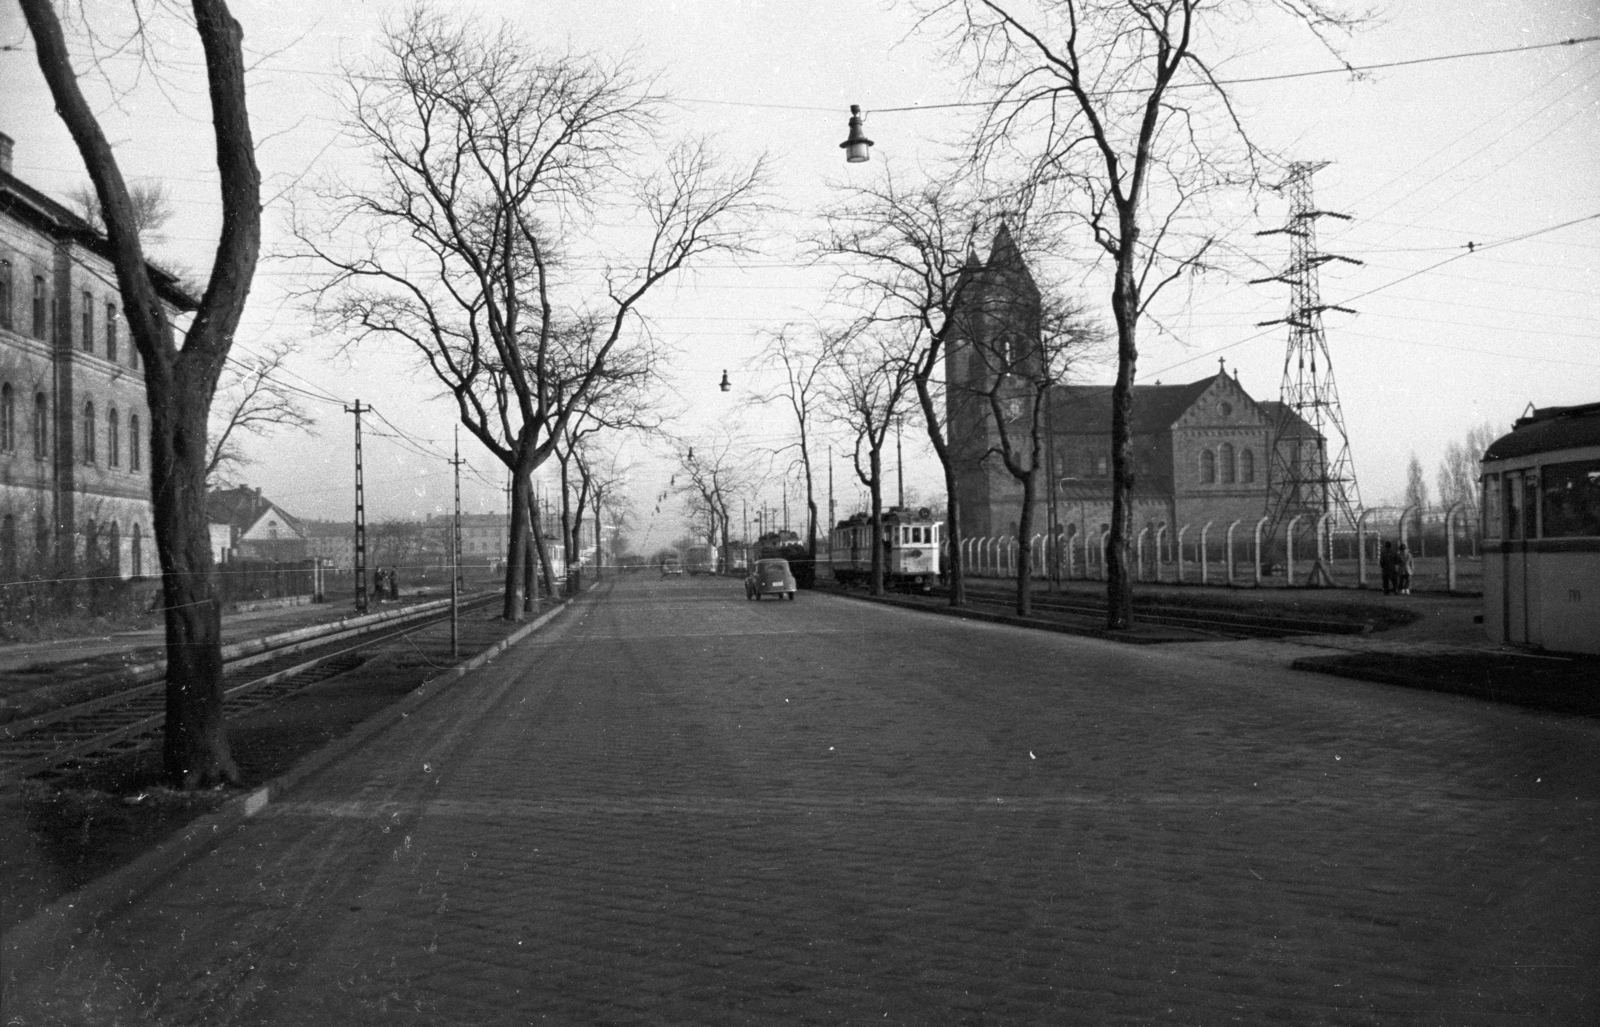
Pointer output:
x,y
1301,479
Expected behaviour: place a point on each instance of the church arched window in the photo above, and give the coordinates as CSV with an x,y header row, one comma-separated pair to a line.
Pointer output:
x,y
1208,468
1247,465
1228,468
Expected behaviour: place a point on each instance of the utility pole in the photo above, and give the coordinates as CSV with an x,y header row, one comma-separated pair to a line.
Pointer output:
x,y
900,464
455,555
1300,482
361,516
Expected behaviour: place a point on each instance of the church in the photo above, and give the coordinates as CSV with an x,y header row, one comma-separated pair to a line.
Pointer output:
x,y
1201,449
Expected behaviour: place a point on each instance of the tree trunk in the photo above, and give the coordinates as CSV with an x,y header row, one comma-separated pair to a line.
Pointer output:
x,y
195,745
1125,306
875,461
1025,546
956,568
542,555
517,549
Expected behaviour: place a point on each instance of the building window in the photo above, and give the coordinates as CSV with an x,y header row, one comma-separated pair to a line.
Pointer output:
x,y
1247,465
1229,470
41,426
88,322
38,307
5,293
1208,468
88,433
113,439
8,418
137,568
8,547
111,331
114,551
134,451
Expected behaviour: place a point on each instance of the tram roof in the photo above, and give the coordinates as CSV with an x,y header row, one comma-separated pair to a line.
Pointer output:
x,y
1549,429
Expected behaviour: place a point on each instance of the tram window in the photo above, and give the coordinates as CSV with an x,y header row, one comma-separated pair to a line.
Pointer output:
x,y
1491,506
1530,504
1513,505
1571,498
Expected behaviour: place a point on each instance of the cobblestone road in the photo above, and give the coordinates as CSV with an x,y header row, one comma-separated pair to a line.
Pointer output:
x,y
677,807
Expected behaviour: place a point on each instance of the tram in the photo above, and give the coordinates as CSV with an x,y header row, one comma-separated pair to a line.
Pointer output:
x,y
1541,531
912,541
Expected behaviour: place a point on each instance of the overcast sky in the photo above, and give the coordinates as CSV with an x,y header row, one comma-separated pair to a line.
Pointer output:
x,y
1426,158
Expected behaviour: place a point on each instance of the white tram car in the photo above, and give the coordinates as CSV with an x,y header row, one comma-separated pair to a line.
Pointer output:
x,y
1541,531
912,541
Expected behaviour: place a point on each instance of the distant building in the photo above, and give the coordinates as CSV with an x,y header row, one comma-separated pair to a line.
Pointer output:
x,y
258,529
74,480
1201,450
483,538
333,542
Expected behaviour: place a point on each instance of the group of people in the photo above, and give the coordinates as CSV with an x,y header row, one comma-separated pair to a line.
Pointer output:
x,y
1396,565
386,583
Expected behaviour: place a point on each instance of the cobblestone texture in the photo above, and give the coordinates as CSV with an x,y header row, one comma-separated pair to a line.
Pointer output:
x,y
708,811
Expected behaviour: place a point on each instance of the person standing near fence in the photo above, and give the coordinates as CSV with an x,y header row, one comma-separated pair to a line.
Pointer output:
x,y
1404,566
1389,566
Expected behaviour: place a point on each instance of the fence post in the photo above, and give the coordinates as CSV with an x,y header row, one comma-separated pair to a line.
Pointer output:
x,y
1205,557
1138,554
1404,513
1361,549
1288,540
1262,523
1450,546
1181,532
1160,540
1228,539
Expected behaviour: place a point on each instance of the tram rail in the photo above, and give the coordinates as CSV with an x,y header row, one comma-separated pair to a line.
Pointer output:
x,y
256,674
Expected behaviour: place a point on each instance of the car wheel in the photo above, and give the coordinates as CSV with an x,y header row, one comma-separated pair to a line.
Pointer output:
x,y
791,597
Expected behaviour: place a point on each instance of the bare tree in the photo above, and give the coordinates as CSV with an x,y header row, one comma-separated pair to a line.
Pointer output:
x,y
251,399
478,240
912,245
867,389
1458,476
712,473
1113,105
1021,367
804,353
179,381
1417,494
150,201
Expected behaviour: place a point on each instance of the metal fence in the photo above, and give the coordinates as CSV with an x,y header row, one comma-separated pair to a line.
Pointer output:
x,y
1309,550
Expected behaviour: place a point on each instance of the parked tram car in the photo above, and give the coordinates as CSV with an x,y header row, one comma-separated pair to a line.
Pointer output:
x,y
702,560
1541,531
786,545
912,557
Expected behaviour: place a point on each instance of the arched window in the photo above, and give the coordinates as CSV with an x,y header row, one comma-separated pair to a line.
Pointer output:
x,y
8,547
1228,468
88,432
111,331
114,551
91,544
88,322
41,539
8,418
135,454
137,568
1208,468
39,311
113,439
1247,465
41,426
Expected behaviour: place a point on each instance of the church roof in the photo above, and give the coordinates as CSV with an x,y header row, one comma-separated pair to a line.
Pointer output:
x,y
242,507
1086,409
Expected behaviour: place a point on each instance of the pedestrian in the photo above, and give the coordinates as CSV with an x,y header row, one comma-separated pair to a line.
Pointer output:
x,y
1404,565
394,583
1389,566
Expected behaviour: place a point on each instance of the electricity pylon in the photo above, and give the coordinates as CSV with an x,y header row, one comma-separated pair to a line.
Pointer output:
x,y
1301,479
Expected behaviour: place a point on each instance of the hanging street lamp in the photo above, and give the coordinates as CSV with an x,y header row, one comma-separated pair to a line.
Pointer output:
x,y
855,147
726,385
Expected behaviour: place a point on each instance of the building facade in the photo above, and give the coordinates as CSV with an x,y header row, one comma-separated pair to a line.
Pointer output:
x,y
257,528
74,474
1202,450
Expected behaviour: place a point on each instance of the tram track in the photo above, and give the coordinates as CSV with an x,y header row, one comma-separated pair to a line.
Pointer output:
x,y
256,675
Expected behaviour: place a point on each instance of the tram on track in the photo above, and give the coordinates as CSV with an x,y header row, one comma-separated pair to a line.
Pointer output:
x,y
912,549
1541,531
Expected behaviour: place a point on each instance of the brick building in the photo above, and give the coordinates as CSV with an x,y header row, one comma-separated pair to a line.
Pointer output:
x,y
1200,449
257,528
74,475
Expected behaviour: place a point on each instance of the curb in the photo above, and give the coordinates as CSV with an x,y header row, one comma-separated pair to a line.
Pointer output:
x,y
77,913
1013,620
